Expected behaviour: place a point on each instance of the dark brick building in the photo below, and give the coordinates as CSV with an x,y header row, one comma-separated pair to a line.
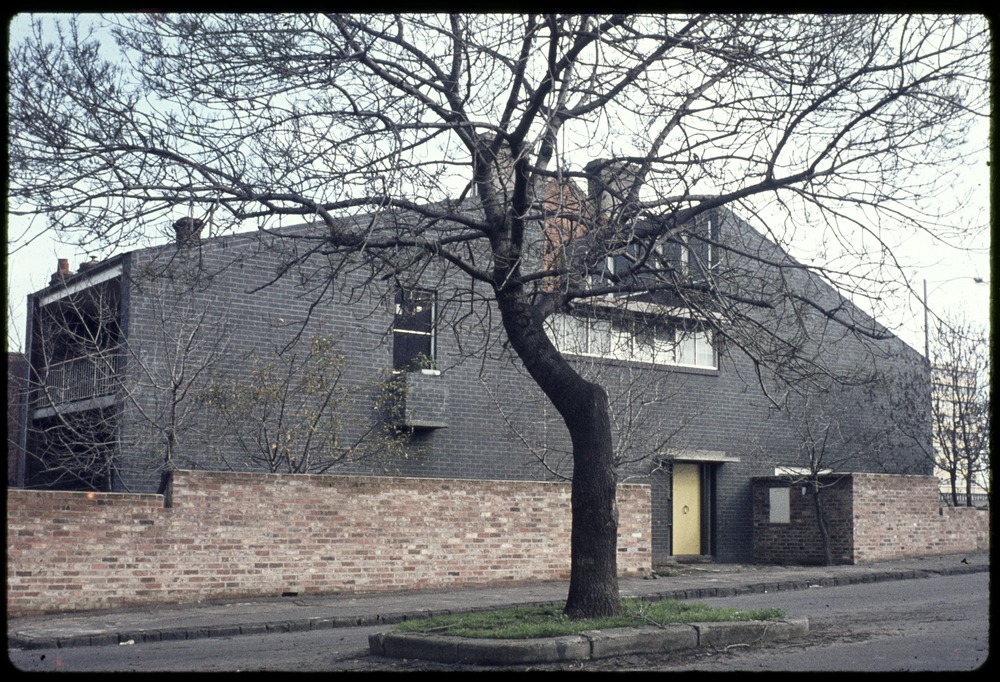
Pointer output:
x,y
17,384
123,350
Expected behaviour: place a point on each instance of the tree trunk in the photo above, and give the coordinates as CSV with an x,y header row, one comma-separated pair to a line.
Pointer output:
x,y
954,463
584,407
824,529
593,587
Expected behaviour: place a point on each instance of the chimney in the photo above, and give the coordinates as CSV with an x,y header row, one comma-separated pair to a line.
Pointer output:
x,y
62,272
88,265
609,182
187,229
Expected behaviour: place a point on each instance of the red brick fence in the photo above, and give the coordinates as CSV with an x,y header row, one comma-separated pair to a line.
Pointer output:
x,y
870,517
228,536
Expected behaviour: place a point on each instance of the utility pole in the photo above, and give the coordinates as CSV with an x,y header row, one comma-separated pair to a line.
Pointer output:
x,y
927,333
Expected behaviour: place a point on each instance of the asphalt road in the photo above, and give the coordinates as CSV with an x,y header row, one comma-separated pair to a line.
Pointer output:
x,y
937,624
908,625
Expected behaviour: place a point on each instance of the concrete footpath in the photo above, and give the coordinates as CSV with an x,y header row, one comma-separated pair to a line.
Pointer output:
x,y
314,612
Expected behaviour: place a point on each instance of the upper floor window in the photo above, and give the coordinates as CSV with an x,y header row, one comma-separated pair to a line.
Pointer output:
x,y
639,338
413,329
690,253
695,349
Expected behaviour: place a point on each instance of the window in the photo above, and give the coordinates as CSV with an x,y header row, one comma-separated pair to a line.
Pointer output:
x,y
638,339
703,251
691,253
694,348
413,329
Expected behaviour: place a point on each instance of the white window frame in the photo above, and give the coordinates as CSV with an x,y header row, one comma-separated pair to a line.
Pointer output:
x,y
695,348
598,337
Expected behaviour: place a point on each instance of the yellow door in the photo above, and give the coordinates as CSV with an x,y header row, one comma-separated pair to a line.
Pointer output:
x,y
687,509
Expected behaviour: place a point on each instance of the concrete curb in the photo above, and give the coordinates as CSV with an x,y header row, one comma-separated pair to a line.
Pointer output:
x,y
586,646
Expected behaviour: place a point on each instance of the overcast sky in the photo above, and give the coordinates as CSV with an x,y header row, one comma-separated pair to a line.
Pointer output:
x,y
950,272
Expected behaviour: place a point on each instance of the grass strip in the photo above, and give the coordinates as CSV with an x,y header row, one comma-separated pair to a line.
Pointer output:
x,y
526,622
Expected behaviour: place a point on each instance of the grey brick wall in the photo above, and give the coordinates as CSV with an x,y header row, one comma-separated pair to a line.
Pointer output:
x,y
499,425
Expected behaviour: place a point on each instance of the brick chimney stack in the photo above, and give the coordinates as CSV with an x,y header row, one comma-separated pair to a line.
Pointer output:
x,y
188,229
609,183
62,272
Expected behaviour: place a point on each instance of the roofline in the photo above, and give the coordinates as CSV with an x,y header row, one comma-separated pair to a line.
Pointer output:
x,y
101,272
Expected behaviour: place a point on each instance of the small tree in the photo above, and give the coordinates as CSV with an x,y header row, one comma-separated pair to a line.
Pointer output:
x,y
830,441
97,390
960,405
167,373
293,413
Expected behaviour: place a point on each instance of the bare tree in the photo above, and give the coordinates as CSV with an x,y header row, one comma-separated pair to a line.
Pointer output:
x,y
94,390
832,439
291,413
370,126
960,405
167,373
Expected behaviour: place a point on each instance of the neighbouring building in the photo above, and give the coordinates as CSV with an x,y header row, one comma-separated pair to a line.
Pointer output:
x,y
124,351
958,413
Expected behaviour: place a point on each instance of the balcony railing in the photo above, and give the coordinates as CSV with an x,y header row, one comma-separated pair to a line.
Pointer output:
x,y
978,500
78,379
